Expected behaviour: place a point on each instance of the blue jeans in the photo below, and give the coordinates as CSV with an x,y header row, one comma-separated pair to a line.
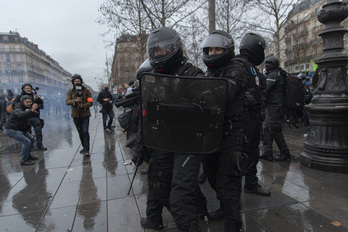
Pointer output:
x,y
24,138
107,113
36,124
82,126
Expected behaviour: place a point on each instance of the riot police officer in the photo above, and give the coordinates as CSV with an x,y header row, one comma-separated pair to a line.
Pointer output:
x,y
252,54
275,101
172,177
222,168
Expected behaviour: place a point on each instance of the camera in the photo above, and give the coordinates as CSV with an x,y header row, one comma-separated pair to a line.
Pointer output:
x,y
78,89
35,90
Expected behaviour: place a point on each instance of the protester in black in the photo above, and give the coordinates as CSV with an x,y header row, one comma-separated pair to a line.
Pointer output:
x,y
106,99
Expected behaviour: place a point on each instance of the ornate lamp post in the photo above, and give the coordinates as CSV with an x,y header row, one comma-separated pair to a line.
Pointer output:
x,y
326,147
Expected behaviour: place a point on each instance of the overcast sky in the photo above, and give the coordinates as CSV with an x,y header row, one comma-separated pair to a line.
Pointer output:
x,y
66,30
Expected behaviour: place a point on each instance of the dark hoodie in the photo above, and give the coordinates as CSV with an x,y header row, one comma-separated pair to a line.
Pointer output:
x,y
19,118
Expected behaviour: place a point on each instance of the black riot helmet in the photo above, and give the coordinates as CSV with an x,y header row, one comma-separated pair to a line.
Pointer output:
x,y
254,45
144,67
76,76
219,39
271,62
164,49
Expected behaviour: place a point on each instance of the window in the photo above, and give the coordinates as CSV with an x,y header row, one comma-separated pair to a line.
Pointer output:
x,y
9,67
17,48
297,68
129,45
302,67
20,79
18,57
7,48
307,66
120,47
5,38
8,58
19,67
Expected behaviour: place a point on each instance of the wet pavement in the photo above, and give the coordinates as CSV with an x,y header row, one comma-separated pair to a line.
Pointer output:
x,y
65,191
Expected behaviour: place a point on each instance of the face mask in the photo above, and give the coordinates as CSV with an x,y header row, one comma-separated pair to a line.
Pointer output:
x,y
106,88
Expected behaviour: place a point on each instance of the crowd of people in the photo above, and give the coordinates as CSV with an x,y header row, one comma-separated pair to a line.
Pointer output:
x,y
173,177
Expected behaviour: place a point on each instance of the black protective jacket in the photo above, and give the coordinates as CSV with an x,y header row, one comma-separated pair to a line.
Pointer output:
x,y
254,87
19,118
105,94
275,91
235,75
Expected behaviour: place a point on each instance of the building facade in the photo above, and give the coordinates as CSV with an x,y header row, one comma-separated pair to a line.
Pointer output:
x,y
21,61
130,52
302,45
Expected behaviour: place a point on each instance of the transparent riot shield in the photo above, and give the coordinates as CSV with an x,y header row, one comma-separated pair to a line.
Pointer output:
x,y
182,114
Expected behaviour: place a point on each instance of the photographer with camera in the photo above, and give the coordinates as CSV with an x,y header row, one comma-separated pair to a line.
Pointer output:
x,y
17,127
80,99
106,99
35,122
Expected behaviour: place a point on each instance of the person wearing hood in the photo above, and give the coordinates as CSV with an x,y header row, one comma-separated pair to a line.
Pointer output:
x,y
106,99
17,127
35,122
80,99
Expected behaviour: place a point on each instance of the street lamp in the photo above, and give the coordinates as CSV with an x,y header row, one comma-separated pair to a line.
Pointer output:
x,y
326,147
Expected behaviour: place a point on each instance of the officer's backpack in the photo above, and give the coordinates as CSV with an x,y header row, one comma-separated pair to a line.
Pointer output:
x,y
294,91
255,85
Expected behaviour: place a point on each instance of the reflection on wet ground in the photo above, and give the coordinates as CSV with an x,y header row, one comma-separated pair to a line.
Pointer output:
x,y
65,191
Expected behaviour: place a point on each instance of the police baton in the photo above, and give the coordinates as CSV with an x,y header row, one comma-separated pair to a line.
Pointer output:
x,y
130,187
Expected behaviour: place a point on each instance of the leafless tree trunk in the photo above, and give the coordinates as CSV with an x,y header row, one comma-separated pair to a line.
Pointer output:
x,y
271,20
211,15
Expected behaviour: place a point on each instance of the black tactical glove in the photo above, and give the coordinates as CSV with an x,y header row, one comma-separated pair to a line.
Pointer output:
x,y
138,160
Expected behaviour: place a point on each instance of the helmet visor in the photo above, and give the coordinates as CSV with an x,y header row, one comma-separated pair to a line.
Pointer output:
x,y
162,50
216,40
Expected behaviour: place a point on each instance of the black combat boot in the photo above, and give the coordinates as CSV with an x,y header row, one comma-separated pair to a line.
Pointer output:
x,y
147,223
282,157
266,156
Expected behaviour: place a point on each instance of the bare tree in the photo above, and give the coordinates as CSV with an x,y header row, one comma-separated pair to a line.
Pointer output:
x,y
272,18
163,13
125,17
193,36
232,17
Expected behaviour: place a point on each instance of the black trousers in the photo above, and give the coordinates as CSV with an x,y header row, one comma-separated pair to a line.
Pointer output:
x,y
252,128
82,126
173,183
226,183
273,131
